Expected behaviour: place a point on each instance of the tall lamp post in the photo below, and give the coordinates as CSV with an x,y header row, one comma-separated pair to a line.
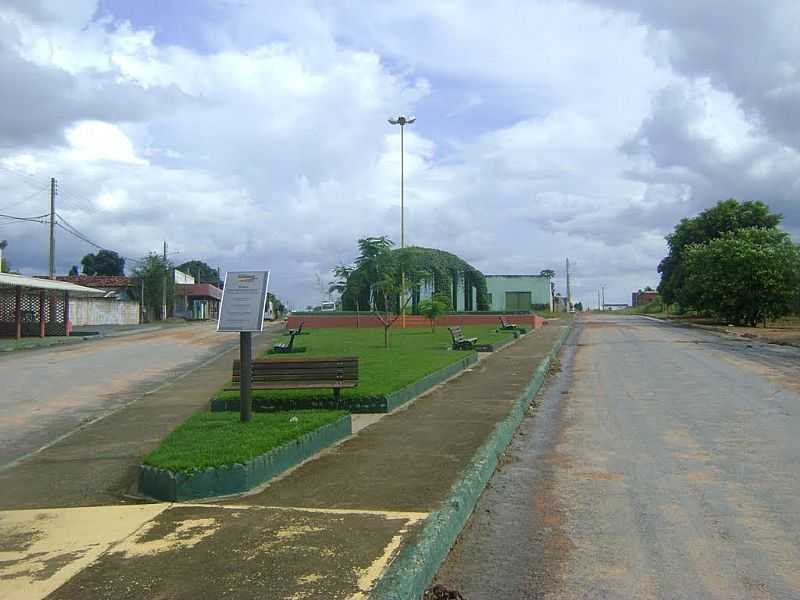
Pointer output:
x,y
402,120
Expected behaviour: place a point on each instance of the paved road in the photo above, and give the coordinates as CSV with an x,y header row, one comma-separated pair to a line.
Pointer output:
x,y
662,463
47,393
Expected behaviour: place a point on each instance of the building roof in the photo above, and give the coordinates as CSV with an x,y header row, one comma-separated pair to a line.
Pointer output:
x,y
8,280
206,290
100,281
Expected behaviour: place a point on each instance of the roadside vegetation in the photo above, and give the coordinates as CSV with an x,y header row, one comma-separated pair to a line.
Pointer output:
x,y
209,439
732,263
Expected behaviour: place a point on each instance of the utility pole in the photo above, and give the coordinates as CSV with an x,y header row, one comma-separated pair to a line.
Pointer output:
x,y
569,290
603,288
164,289
599,306
52,261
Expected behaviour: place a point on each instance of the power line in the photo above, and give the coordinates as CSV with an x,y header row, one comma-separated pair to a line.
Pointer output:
x,y
39,191
32,180
35,219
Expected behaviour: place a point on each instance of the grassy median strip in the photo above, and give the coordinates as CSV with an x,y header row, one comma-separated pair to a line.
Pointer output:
x,y
215,439
412,354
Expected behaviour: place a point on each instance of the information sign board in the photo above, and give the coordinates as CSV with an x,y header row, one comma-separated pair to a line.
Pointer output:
x,y
243,300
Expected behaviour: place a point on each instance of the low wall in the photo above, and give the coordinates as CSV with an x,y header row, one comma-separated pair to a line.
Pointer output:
x,y
103,311
322,320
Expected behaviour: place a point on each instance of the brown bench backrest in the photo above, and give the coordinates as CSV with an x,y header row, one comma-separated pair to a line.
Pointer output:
x,y
318,370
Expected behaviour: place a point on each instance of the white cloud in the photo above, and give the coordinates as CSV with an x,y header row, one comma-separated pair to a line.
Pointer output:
x,y
96,140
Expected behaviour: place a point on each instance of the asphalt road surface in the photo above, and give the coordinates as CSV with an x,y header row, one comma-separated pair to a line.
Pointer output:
x,y
662,462
47,393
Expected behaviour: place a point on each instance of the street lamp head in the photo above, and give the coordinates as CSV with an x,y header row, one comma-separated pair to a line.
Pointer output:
x,y
402,120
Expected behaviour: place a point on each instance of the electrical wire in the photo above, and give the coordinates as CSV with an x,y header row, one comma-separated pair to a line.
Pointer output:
x,y
36,219
26,199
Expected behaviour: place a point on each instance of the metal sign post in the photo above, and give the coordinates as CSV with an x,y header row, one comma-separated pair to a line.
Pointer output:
x,y
244,298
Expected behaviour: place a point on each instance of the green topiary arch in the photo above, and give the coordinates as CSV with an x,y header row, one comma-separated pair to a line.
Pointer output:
x,y
424,266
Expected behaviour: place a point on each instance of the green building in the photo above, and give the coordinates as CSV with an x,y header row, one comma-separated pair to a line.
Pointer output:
x,y
519,292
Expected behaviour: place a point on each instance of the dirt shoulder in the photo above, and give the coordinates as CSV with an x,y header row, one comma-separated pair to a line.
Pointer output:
x,y
784,335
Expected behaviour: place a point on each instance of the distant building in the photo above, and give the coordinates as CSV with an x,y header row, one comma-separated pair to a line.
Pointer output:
x,y
119,306
509,293
614,306
641,297
197,301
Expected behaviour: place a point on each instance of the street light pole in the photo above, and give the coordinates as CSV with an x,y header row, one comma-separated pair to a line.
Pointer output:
x,y
402,120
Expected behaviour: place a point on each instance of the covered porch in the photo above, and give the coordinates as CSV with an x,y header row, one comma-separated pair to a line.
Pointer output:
x,y
35,307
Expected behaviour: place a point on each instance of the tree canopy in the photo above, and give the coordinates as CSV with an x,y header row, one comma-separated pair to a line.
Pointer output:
x,y
728,215
154,271
744,275
201,271
105,262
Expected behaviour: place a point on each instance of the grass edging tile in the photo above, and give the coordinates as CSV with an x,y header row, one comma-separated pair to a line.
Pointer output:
x,y
358,404
164,484
411,572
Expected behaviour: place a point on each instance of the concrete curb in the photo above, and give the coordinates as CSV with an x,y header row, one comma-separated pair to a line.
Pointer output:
x,y
359,404
163,484
411,572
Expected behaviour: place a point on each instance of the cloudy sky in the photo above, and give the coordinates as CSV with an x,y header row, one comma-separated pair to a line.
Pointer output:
x,y
254,134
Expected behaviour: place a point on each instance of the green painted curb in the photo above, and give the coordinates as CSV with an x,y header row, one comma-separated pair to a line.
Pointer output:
x,y
407,577
163,484
357,404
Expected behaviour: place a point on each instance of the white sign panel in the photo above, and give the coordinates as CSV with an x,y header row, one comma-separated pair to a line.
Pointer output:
x,y
243,300
183,278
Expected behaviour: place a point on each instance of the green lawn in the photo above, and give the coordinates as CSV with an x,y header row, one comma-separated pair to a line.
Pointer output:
x,y
213,439
412,354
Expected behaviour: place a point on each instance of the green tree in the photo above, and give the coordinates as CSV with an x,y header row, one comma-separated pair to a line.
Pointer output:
x,y
395,300
547,273
105,262
154,271
728,215
278,307
349,283
201,271
743,276
579,306
433,308
73,272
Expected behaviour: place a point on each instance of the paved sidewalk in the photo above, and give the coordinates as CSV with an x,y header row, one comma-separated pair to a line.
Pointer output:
x,y
98,463
328,529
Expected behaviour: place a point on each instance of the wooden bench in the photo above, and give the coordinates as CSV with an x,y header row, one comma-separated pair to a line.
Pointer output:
x,y
285,348
505,325
459,341
297,331
301,373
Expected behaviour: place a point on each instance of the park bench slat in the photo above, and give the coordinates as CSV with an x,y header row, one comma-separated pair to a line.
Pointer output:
x,y
298,373
459,341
